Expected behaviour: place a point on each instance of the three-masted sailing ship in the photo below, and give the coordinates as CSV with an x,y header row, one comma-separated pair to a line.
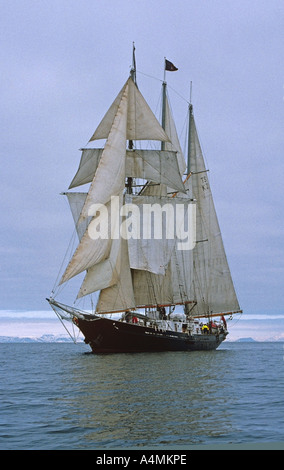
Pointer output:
x,y
153,292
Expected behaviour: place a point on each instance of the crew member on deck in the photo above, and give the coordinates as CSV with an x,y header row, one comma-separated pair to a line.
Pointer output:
x,y
205,329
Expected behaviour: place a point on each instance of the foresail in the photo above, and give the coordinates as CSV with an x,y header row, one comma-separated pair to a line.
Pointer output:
x,y
213,288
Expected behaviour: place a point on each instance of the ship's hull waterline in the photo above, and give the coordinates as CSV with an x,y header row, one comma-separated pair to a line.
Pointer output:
x,y
109,336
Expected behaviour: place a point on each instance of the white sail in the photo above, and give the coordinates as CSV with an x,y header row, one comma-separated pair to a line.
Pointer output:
x,y
173,144
150,249
109,179
87,168
154,165
91,251
141,122
76,202
181,276
120,296
100,275
151,289
213,288
161,271
158,231
107,272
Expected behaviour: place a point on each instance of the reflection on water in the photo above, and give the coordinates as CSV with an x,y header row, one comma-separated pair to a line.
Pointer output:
x,y
133,400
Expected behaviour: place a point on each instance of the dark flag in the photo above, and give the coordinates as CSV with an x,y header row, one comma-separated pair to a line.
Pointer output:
x,y
169,66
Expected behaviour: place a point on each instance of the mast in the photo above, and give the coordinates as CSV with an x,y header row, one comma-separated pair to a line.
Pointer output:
x,y
133,68
170,67
129,180
190,113
176,258
164,111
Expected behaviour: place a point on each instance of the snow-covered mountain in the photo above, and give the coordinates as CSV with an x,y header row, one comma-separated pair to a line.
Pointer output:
x,y
42,339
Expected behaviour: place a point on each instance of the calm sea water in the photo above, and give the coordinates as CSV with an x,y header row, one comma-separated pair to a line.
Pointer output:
x,y
57,396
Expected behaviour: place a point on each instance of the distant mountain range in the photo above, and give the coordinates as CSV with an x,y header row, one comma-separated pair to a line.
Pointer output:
x,y
246,340
42,339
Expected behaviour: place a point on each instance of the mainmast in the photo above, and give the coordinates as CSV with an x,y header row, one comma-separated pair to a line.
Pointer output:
x,y
164,110
170,67
164,97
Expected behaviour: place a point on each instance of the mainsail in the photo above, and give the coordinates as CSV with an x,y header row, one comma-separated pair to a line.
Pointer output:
x,y
212,285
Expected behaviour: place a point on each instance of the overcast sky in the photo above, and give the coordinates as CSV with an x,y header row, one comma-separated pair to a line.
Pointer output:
x,y
62,64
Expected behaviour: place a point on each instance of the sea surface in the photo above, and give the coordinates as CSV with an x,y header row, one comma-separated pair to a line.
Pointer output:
x,y
60,397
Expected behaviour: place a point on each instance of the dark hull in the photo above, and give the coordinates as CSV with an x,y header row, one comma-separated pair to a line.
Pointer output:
x,y
109,336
